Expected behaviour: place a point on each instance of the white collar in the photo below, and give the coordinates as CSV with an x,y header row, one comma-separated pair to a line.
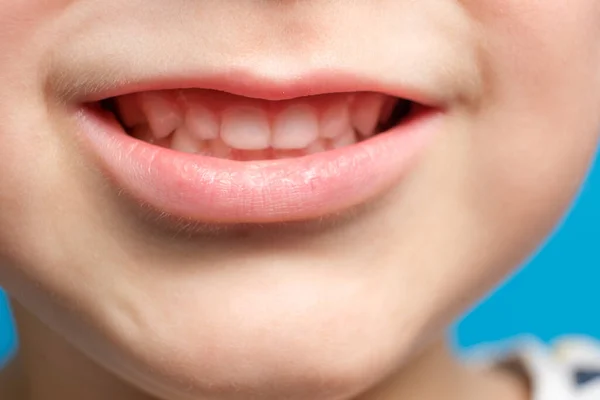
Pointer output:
x,y
552,370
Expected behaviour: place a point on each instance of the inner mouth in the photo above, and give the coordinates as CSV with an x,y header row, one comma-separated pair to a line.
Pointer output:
x,y
222,125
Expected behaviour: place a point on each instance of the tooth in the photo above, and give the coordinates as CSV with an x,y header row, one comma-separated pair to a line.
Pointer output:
x,y
245,128
365,113
184,141
295,127
162,112
129,110
144,133
316,147
335,121
344,140
219,149
202,122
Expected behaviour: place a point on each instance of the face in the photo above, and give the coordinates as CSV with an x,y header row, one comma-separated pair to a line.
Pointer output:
x,y
109,238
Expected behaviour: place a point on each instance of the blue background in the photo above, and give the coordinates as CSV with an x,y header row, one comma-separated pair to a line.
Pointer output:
x,y
555,294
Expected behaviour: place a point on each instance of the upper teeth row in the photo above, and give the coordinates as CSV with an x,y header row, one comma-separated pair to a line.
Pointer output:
x,y
254,125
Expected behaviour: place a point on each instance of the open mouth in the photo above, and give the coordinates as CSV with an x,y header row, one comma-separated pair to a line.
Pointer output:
x,y
222,125
210,156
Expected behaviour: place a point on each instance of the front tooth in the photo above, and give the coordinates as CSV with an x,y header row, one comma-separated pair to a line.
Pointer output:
x,y
335,121
162,112
346,139
202,123
316,147
365,113
184,141
245,128
295,128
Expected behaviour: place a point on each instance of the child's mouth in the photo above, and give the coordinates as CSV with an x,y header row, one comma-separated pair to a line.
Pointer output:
x,y
269,153
217,124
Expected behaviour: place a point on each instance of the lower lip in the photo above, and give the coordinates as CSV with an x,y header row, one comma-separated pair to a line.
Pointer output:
x,y
213,190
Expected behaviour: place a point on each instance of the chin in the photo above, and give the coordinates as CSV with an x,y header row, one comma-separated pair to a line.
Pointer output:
x,y
302,336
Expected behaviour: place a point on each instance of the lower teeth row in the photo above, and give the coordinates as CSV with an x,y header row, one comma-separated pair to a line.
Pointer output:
x,y
219,149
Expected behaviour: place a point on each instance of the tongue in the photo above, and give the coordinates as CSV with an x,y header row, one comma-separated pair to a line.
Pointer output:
x,y
209,122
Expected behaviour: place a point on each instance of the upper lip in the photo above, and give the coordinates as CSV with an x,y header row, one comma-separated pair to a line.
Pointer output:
x,y
247,83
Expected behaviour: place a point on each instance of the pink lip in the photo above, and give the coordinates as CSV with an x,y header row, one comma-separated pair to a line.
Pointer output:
x,y
247,84
222,191
212,190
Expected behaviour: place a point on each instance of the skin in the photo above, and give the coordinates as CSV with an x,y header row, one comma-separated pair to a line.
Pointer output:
x,y
110,304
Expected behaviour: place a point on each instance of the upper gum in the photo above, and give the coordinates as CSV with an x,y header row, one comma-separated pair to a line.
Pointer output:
x,y
217,102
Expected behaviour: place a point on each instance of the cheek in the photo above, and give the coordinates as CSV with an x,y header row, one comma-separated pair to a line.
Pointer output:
x,y
542,95
510,166
531,13
532,29
27,28
18,19
28,164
